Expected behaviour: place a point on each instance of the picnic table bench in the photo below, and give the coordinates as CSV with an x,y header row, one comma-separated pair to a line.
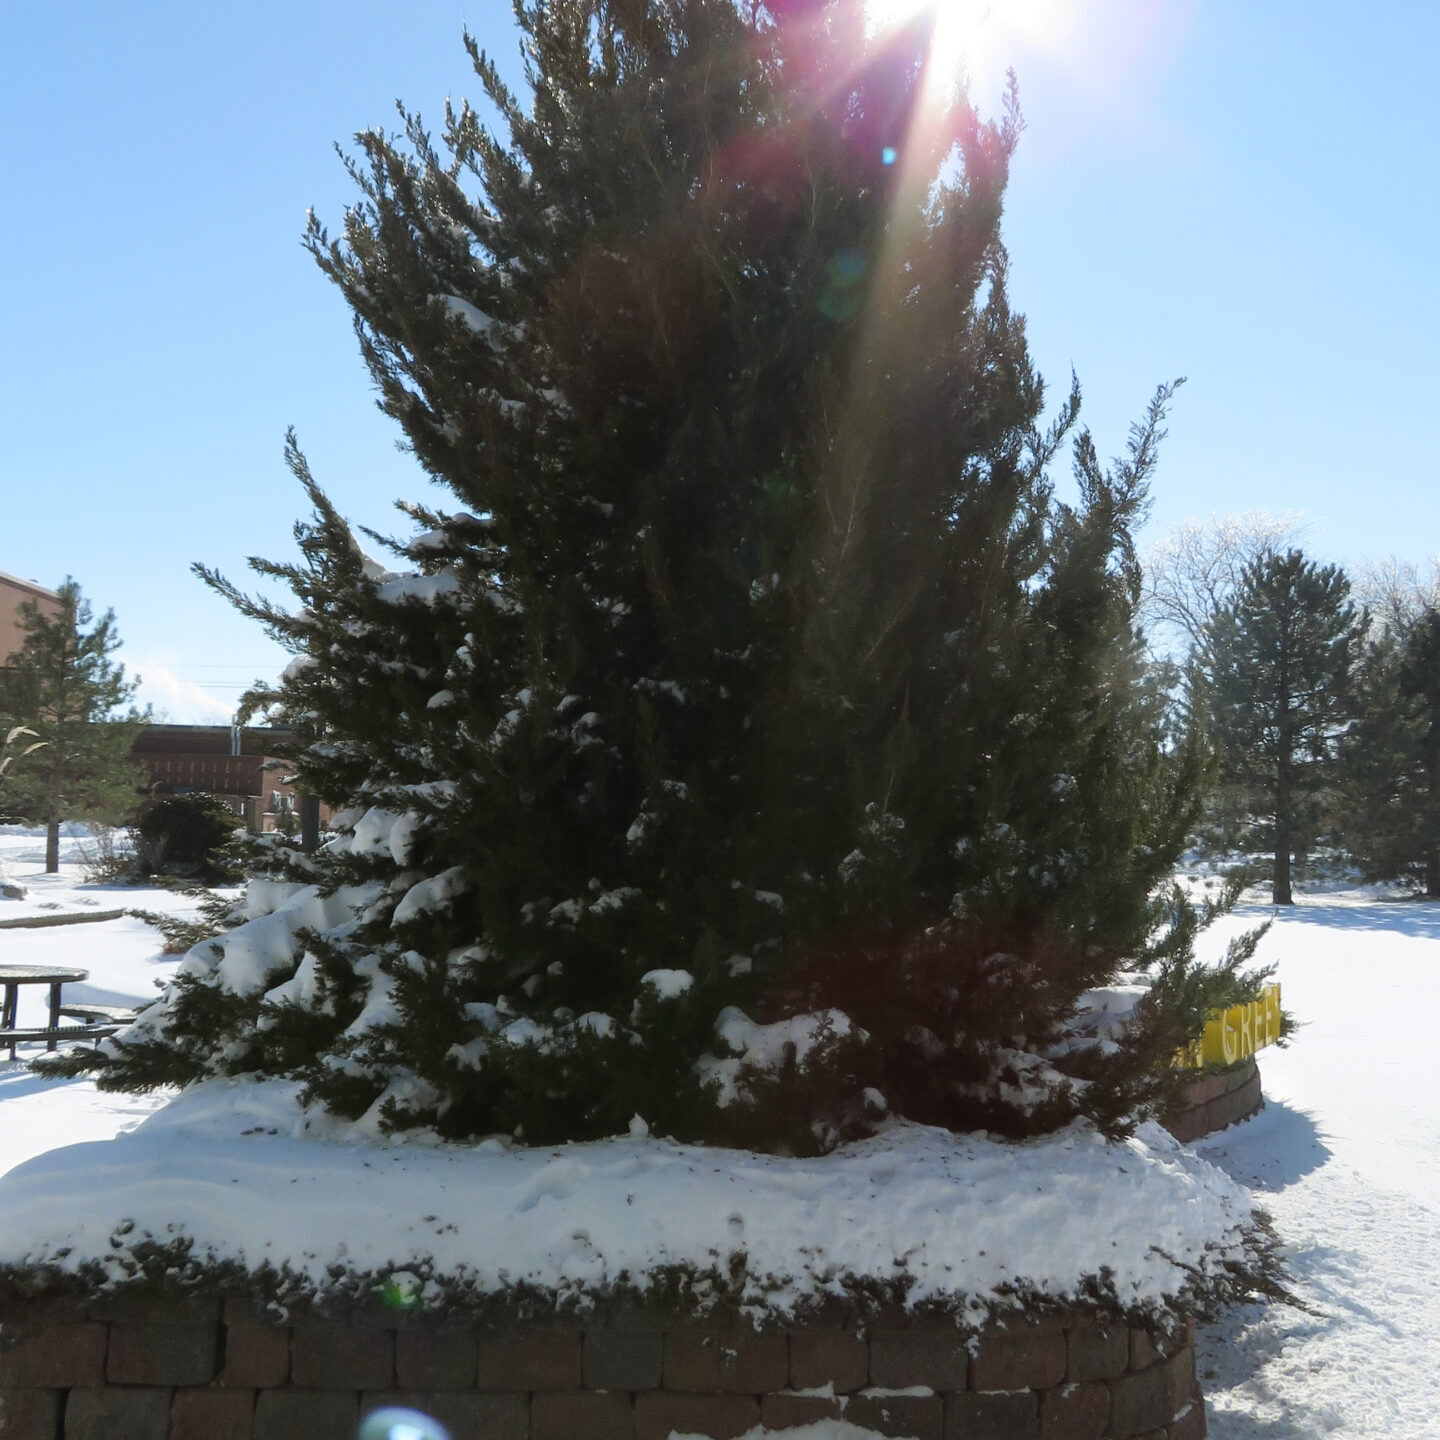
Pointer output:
x,y
97,1021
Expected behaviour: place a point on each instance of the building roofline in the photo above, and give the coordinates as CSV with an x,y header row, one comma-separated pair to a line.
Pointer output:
x,y
30,585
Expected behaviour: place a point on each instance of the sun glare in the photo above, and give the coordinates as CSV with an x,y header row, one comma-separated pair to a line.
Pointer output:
x,y
973,34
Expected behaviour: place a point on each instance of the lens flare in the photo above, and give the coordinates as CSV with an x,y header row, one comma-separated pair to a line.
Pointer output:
x,y
396,1423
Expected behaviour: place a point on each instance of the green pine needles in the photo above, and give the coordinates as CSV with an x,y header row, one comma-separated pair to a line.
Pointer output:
x,y
751,743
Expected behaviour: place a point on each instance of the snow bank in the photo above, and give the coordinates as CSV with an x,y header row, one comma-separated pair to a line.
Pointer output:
x,y
236,1168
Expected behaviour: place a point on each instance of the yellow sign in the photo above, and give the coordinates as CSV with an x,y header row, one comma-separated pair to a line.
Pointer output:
x,y
1238,1032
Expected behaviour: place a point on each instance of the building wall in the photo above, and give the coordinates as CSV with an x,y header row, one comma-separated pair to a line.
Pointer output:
x,y
236,764
14,592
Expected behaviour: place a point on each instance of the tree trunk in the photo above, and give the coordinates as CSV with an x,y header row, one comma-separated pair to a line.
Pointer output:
x,y
1280,889
52,844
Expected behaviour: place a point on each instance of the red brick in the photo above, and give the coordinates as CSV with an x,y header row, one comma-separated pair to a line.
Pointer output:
x,y
1096,1351
531,1360
1021,1357
1180,1374
937,1358
993,1415
829,1357
257,1355
1074,1412
622,1359
29,1414
921,1416
304,1415
435,1358
1190,1425
390,1400
1139,1402
162,1354
25,1315
582,1416
117,1413
723,1417
342,1357
135,1309
1205,1090
781,1411
63,1355
481,1417
738,1362
1142,1350
211,1414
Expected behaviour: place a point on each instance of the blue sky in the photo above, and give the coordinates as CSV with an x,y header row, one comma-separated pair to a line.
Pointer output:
x,y
1246,194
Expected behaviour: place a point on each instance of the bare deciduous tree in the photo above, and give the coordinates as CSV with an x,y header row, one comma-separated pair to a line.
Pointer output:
x,y
1195,570
1396,593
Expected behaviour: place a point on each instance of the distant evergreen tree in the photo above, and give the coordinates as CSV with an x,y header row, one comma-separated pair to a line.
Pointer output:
x,y
1277,666
758,670
1393,766
63,685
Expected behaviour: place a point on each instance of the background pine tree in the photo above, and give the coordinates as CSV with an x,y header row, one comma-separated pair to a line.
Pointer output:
x,y
1277,664
1393,762
755,671
63,686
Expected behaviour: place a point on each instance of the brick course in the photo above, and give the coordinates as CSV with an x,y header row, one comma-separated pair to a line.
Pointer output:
x,y
1018,1358
901,1358
993,1415
722,1417
921,1416
738,1362
143,1373
839,1358
1096,1352
342,1357
582,1415
170,1353
255,1355
304,1415
116,1413
212,1414
622,1359
433,1358
68,1354
29,1414
531,1360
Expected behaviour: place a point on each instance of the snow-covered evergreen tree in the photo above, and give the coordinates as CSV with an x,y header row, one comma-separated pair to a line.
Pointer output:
x,y
749,740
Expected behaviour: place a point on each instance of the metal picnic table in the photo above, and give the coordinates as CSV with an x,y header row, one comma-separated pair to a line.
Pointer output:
x,y
12,977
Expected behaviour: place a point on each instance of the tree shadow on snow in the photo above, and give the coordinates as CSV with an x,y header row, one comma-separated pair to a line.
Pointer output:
x,y
17,1079
1271,1150
1417,918
1237,1356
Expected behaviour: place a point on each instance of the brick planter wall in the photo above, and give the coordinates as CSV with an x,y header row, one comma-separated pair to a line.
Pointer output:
x,y
1219,1100
212,1370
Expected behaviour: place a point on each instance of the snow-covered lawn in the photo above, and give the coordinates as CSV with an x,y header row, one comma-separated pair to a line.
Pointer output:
x,y
1346,1157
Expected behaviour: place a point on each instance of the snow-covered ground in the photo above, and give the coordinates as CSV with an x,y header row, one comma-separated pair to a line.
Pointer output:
x,y
1345,1157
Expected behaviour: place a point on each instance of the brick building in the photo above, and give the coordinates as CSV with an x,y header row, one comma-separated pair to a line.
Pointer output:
x,y
14,592
237,764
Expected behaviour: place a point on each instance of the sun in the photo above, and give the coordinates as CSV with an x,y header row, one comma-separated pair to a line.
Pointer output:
x,y
975,33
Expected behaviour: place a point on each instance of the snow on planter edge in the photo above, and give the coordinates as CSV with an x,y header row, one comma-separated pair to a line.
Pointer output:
x,y
237,1173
